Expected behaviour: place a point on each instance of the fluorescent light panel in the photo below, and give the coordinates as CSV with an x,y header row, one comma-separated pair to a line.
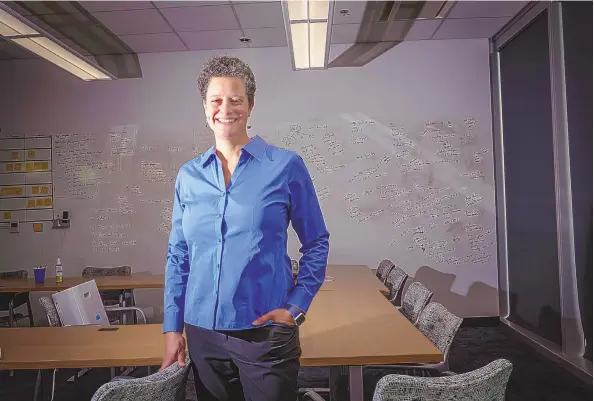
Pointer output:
x,y
14,30
308,22
59,56
11,26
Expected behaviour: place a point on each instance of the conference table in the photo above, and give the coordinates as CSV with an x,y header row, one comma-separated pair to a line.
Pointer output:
x,y
350,324
336,275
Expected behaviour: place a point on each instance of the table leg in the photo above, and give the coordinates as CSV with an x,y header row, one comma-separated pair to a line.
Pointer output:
x,y
38,395
356,383
335,374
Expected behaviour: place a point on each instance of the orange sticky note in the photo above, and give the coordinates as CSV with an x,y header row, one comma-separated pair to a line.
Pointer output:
x,y
17,167
14,155
48,201
35,190
45,190
9,167
30,203
7,215
31,154
38,227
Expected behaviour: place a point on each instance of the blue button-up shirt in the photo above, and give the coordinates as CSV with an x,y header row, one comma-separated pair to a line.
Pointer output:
x,y
227,261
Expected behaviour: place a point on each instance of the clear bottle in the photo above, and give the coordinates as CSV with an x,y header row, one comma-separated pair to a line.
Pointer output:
x,y
59,274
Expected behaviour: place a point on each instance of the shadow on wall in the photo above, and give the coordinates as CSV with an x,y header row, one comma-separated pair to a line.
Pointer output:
x,y
481,300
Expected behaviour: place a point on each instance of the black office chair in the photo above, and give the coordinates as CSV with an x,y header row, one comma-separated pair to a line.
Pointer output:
x,y
9,301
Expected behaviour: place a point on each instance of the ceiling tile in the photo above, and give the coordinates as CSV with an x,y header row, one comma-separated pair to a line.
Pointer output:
x,y
267,37
355,15
154,42
96,6
133,21
478,9
470,28
211,40
207,18
168,4
344,33
260,15
422,29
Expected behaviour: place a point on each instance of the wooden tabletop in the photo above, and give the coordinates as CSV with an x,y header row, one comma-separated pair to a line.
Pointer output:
x,y
103,283
344,276
344,326
351,277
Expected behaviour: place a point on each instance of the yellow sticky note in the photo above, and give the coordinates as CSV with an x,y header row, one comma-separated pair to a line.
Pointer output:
x,y
39,202
7,215
14,155
35,190
31,154
37,166
45,190
17,167
30,203
48,201
11,191
38,227
45,166
29,167
9,167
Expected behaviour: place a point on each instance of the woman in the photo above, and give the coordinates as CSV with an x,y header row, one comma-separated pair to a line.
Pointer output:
x,y
228,277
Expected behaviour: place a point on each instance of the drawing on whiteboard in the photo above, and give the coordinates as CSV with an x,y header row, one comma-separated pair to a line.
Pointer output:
x,y
425,187
122,140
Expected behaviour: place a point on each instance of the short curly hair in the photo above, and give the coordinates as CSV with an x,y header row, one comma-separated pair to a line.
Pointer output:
x,y
226,66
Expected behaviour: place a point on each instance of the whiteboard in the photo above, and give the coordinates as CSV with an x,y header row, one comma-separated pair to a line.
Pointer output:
x,y
418,192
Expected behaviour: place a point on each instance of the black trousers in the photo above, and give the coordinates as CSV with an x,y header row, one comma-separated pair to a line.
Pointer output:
x,y
259,364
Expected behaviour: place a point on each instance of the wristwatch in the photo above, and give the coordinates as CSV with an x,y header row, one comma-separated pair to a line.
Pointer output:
x,y
298,316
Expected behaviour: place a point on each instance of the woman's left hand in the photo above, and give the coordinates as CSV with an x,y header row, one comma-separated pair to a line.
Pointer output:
x,y
278,315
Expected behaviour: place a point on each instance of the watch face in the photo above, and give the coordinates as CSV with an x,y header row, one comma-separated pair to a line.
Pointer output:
x,y
300,318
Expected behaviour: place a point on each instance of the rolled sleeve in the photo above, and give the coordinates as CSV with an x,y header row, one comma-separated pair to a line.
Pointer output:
x,y
177,269
308,222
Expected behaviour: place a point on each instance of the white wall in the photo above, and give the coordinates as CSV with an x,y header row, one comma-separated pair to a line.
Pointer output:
x,y
6,101
414,82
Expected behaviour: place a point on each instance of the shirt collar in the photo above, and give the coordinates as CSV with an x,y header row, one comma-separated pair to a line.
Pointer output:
x,y
255,147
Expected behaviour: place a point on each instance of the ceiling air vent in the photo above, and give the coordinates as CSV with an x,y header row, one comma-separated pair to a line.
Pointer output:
x,y
384,25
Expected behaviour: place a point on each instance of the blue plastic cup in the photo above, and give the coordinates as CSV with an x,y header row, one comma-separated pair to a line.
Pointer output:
x,y
39,275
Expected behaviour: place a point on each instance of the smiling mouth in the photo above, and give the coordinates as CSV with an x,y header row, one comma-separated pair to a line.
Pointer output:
x,y
226,120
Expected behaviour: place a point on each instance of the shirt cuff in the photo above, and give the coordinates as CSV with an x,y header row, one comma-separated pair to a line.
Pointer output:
x,y
173,321
300,298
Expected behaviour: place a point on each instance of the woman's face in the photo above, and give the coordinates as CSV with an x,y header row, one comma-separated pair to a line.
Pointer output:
x,y
226,107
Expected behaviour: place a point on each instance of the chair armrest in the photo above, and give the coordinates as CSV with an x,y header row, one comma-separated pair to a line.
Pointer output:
x,y
312,395
126,308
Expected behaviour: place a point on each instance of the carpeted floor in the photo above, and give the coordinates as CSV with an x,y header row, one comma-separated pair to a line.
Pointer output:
x,y
534,377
